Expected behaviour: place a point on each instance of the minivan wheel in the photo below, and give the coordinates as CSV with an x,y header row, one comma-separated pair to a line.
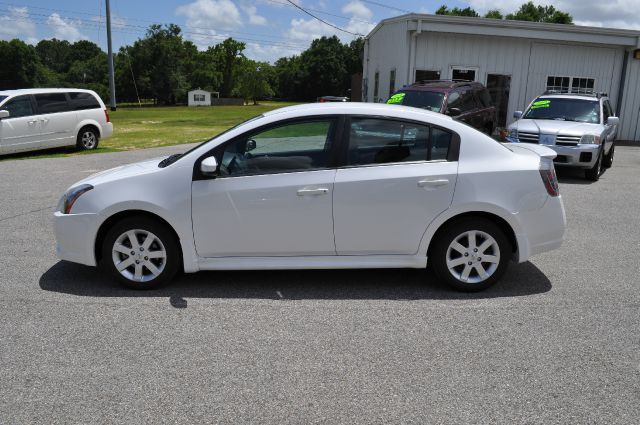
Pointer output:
x,y
141,253
608,158
594,172
471,254
87,139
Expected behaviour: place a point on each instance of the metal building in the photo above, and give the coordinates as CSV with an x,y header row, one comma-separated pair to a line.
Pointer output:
x,y
516,60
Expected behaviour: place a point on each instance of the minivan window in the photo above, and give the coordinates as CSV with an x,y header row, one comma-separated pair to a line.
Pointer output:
x,y
20,106
49,103
82,100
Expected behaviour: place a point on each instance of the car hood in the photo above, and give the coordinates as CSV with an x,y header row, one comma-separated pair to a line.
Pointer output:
x,y
123,171
555,127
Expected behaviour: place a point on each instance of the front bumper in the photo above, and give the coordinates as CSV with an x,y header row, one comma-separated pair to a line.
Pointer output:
x,y
580,155
75,237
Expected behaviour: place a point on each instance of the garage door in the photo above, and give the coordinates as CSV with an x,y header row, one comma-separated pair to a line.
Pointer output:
x,y
559,60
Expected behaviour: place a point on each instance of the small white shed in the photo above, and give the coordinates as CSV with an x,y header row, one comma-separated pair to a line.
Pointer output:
x,y
199,98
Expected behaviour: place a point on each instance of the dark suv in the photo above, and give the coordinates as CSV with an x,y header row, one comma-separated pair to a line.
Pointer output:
x,y
466,101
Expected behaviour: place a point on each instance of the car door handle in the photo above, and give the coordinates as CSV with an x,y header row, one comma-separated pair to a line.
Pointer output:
x,y
433,183
313,192
32,122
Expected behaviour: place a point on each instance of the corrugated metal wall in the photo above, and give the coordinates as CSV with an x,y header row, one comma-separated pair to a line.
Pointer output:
x,y
528,62
630,109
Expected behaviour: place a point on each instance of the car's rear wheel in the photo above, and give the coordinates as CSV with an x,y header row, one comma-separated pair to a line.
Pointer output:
x,y
88,139
471,254
608,158
594,172
141,253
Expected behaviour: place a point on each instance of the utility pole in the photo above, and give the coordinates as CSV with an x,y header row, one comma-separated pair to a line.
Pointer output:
x,y
112,81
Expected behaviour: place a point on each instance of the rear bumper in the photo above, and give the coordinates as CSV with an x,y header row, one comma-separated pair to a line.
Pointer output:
x,y
107,130
75,236
542,230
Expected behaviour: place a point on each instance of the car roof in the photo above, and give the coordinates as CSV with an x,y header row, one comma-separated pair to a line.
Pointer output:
x,y
378,109
38,91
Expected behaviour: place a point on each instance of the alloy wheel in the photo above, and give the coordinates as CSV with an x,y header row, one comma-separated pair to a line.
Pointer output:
x,y
139,255
473,256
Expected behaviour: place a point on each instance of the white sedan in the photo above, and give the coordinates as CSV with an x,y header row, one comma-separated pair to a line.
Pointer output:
x,y
343,185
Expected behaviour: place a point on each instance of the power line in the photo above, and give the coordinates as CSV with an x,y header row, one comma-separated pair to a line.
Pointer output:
x,y
325,22
386,6
347,18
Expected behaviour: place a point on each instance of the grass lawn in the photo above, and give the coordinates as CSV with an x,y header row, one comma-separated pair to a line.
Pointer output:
x,y
140,128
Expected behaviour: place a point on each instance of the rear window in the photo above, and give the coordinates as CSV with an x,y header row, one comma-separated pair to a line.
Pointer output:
x,y
82,100
49,103
429,100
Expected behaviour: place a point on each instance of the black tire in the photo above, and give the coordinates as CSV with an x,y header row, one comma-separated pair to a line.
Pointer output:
x,y
607,162
88,139
154,270
499,250
594,172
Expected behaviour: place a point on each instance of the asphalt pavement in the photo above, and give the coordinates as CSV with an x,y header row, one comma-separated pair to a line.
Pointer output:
x,y
556,342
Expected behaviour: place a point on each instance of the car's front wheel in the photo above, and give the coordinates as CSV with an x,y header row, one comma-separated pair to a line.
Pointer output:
x,y
594,172
608,158
141,253
471,254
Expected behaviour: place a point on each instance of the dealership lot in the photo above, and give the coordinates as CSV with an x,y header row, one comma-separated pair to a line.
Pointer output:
x,y
557,341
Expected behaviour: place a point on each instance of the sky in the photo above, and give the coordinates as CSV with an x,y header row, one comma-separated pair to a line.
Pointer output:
x,y
270,28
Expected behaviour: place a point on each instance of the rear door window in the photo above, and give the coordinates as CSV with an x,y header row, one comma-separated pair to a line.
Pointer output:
x,y
49,103
82,100
20,106
382,141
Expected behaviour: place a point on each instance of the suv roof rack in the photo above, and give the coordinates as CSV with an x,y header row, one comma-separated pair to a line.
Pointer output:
x,y
583,93
453,83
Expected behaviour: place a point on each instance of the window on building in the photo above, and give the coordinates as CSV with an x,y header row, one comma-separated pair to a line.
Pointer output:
x,y
376,82
198,97
465,74
426,75
570,84
392,82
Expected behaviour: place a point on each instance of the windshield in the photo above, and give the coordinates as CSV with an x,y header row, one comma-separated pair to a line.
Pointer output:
x,y
173,158
3,98
429,100
563,109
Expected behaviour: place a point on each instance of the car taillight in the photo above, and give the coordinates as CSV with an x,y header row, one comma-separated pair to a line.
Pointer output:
x,y
106,115
549,178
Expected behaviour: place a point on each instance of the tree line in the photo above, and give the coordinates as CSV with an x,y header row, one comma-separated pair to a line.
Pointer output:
x,y
163,66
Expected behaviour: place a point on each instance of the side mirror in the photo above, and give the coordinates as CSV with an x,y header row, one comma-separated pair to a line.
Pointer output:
x,y
610,120
209,166
454,112
517,115
251,145
4,114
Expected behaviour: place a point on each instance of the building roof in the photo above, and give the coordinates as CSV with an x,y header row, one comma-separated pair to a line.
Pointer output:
x,y
421,22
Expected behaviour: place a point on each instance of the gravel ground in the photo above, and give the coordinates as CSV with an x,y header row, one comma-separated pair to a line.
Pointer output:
x,y
556,342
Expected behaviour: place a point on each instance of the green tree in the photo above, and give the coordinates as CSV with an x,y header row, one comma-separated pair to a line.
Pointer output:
x,y
253,80
494,14
325,68
531,12
228,57
467,11
21,67
55,54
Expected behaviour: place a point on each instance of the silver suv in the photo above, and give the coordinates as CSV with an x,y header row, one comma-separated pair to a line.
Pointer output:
x,y
581,128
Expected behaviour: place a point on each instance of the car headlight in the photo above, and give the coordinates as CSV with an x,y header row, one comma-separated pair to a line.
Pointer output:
x,y
590,139
72,195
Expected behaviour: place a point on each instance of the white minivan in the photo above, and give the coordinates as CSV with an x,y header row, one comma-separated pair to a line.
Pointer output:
x,y
32,119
